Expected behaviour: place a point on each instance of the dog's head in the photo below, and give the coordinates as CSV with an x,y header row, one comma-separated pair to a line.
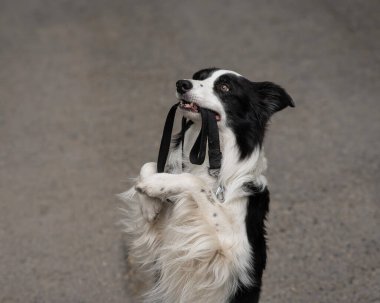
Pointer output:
x,y
240,104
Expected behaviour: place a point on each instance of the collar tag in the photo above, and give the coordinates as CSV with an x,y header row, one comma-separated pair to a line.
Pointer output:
x,y
220,193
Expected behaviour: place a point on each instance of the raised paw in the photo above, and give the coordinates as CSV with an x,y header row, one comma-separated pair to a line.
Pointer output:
x,y
155,186
147,170
150,208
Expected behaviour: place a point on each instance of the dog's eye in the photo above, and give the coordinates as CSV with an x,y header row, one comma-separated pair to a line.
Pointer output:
x,y
224,88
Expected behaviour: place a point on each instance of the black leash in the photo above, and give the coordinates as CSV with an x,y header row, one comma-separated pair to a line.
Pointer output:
x,y
166,139
209,134
214,153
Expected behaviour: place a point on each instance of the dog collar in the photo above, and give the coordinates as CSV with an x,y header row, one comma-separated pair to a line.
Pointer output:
x,y
209,133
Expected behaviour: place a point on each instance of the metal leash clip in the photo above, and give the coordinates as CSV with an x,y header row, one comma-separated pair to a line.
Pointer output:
x,y
220,193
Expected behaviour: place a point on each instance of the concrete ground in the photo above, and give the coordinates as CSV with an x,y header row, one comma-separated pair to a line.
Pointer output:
x,y
85,87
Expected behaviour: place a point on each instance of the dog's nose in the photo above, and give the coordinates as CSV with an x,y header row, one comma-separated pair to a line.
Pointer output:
x,y
183,86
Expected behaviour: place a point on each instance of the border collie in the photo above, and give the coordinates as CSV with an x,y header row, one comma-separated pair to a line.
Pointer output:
x,y
193,244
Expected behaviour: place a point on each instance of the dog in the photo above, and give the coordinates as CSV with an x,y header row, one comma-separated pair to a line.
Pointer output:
x,y
196,236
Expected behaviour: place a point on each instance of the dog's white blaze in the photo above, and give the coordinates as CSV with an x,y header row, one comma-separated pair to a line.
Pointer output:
x,y
198,245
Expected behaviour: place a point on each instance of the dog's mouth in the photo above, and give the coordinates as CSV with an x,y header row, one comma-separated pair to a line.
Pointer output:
x,y
193,108
189,106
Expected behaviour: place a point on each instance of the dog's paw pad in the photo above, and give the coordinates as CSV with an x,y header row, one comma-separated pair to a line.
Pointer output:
x,y
141,188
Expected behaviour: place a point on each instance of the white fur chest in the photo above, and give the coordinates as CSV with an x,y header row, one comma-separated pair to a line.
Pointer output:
x,y
199,244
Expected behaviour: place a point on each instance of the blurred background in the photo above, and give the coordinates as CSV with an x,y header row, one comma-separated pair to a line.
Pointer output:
x,y
84,90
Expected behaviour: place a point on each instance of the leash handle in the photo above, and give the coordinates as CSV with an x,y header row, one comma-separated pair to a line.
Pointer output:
x,y
166,139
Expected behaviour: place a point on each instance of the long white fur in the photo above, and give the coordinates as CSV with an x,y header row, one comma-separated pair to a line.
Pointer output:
x,y
195,246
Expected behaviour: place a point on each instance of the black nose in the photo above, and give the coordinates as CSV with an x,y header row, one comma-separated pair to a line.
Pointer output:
x,y
183,86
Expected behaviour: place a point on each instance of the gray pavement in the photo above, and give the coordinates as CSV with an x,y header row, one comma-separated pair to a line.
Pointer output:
x,y
85,87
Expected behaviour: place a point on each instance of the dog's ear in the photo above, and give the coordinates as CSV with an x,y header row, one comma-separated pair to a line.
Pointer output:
x,y
274,97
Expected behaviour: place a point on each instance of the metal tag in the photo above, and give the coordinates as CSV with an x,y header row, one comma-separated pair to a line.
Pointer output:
x,y
220,193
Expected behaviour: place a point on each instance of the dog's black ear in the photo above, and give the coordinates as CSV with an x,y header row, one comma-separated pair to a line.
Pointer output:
x,y
274,97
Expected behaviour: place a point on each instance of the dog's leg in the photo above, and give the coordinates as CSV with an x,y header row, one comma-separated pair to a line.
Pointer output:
x,y
143,221
164,186
185,187
150,206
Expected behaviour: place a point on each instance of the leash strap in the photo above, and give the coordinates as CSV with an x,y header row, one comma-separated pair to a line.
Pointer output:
x,y
209,134
166,139
198,152
214,153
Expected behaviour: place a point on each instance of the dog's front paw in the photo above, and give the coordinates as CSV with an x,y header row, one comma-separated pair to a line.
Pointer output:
x,y
154,186
147,170
150,208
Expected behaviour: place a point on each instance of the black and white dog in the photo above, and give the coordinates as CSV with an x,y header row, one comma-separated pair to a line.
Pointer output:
x,y
198,246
